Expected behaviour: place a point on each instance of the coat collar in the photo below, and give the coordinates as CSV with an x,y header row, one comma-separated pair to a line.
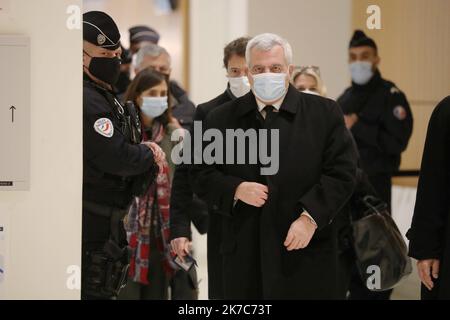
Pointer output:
x,y
290,103
248,103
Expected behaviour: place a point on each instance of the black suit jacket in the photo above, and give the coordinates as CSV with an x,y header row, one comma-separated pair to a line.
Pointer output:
x,y
183,203
186,207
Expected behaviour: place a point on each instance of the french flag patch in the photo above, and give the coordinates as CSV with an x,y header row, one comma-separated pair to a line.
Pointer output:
x,y
104,127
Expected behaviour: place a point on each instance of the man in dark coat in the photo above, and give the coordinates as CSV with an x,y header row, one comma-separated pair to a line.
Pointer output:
x,y
280,213
182,199
429,234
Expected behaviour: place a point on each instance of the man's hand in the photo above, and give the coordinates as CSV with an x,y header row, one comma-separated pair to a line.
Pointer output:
x,y
158,153
426,269
180,246
252,193
350,120
300,233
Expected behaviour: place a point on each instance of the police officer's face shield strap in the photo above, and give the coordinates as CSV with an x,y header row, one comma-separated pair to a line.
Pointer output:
x,y
105,69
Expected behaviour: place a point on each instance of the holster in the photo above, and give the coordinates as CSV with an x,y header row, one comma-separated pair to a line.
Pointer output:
x,y
107,271
106,268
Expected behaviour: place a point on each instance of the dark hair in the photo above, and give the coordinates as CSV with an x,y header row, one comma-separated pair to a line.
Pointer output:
x,y
236,47
144,80
360,39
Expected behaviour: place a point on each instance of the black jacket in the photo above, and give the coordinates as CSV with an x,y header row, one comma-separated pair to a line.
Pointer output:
x,y
186,207
184,204
385,123
110,160
429,234
317,165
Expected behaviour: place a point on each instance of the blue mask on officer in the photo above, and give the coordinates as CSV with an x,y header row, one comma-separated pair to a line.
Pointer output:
x,y
361,72
154,107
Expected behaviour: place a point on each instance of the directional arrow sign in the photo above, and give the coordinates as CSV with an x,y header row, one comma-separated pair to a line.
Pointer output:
x,y
12,113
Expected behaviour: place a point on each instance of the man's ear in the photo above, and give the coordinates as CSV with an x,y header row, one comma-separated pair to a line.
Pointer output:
x,y
249,76
377,61
291,70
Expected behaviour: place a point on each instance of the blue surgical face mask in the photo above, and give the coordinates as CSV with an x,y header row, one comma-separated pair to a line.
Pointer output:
x,y
361,72
153,107
269,87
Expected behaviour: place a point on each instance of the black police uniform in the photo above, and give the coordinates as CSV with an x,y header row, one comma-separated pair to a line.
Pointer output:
x,y
115,168
382,133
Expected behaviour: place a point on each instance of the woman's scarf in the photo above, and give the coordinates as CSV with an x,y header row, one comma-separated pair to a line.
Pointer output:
x,y
153,205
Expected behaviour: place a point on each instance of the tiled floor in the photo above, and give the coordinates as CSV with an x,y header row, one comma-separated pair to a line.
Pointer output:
x,y
408,289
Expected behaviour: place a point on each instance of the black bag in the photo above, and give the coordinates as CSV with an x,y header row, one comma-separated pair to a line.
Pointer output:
x,y
381,252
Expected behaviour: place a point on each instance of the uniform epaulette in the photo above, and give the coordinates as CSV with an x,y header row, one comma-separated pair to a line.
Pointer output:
x,y
392,87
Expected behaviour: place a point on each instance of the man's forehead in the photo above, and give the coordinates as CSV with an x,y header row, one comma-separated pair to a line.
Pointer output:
x,y
156,60
92,47
276,54
361,50
236,60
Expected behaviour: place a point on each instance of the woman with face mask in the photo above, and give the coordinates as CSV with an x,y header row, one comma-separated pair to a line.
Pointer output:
x,y
148,220
307,79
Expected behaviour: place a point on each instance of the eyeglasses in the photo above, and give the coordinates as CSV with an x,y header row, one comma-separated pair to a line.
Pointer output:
x,y
301,69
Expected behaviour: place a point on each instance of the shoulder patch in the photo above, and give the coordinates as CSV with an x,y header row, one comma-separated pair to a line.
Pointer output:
x,y
400,113
104,127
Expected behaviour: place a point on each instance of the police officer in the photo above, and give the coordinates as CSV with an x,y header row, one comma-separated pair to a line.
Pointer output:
x,y
379,116
116,165
141,36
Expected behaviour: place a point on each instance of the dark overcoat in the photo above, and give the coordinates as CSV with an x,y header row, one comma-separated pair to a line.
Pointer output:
x,y
317,165
429,234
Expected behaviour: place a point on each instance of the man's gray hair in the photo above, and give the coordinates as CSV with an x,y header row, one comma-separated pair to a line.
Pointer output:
x,y
266,42
151,50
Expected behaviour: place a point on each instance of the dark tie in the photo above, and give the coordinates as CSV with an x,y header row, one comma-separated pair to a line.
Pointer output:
x,y
269,114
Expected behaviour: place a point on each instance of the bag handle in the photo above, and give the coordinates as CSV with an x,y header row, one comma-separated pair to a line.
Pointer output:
x,y
368,200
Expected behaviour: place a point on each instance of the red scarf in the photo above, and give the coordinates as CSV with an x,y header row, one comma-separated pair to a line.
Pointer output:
x,y
154,205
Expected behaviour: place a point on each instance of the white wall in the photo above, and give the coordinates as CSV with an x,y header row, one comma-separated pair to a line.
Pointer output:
x,y
44,228
319,32
213,24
